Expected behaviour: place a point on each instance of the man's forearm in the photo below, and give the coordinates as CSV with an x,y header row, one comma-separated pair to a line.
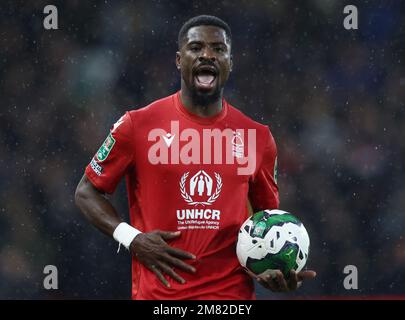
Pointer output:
x,y
96,207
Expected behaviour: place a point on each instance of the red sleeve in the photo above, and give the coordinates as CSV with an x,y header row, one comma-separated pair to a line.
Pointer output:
x,y
263,189
114,157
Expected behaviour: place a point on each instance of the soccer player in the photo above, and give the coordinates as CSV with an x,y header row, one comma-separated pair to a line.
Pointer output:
x,y
195,168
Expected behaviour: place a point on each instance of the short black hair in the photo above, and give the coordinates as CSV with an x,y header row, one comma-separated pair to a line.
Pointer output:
x,y
203,20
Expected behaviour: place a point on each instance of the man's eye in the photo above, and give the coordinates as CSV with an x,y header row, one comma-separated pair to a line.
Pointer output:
x,y
219,49
195,49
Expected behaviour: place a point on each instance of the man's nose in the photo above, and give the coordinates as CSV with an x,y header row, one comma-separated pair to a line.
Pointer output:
x,y
207,54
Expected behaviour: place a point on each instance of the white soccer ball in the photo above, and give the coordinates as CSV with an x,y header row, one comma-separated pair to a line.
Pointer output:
x,y
273,239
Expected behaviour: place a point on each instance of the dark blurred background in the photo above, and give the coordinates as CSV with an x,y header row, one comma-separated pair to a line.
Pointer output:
x,y
333,98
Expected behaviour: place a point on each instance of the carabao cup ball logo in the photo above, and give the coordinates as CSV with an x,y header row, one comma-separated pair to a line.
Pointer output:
x,y
273,239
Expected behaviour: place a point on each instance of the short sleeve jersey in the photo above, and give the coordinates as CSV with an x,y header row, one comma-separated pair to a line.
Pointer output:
x,y
192,174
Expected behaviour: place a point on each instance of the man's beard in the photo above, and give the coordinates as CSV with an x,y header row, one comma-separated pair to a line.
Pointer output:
x,y
204,99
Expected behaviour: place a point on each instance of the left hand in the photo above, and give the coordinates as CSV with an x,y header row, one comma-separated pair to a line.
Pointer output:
x,y
275,281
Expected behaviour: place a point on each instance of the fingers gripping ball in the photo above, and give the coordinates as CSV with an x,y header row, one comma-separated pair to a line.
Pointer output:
x,y
273,239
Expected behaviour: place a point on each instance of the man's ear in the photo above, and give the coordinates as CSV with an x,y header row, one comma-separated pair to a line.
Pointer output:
x,y
178,60
231,64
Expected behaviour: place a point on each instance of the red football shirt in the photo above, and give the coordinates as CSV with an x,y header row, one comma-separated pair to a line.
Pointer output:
x,y
195,175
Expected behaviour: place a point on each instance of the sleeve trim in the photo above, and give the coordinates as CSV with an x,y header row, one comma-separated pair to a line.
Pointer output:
x,y
95,182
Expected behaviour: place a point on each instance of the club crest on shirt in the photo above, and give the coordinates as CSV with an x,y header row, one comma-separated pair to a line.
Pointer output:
x,y
105,148
237,145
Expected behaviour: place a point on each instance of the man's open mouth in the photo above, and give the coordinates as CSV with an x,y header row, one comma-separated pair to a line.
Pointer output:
x,y
205,77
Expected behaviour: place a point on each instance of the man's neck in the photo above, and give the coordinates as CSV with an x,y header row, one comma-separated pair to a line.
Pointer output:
x,y
204,111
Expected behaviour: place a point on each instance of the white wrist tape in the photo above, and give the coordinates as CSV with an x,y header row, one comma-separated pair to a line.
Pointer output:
x,y
125,234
